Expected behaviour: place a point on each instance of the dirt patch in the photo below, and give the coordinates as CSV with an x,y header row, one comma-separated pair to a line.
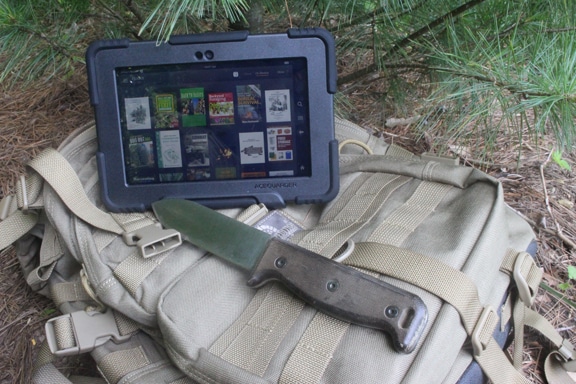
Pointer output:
x,y
43,116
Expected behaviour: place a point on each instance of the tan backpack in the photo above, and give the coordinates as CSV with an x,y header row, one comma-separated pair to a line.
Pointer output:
x,y
152,310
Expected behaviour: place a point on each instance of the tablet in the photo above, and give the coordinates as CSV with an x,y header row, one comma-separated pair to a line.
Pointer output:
x,y
226,119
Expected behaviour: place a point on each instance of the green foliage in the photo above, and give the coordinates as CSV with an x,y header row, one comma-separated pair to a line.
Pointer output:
x,y
47,39
48,312
572,272
518,65
497,66
557,158
28,42
171,15
571,276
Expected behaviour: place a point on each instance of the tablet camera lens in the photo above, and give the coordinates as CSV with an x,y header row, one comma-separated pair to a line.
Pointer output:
x,y
199,55
209,55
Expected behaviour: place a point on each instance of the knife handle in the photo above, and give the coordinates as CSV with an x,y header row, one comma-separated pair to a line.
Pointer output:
x,y
344,293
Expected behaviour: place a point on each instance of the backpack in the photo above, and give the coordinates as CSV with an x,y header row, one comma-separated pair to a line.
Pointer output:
x,y
150,309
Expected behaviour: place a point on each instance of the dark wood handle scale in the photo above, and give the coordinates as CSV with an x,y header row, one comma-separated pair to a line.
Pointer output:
x,y
344,293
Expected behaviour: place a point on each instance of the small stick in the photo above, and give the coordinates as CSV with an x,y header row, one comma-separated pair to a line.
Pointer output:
x,y
559,233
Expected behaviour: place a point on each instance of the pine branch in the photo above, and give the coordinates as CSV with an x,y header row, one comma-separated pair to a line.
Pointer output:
x,y
409,39
36,49
135,10
121,20
377,12
510,87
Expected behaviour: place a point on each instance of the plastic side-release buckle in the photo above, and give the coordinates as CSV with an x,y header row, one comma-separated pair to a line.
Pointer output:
x,y
153,239
81,331
483,330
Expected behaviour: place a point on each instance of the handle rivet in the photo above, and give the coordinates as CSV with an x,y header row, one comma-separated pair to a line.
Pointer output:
x,y
280,262
332,285
391,311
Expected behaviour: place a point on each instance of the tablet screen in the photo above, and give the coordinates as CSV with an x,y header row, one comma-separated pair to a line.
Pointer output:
x,y
227,120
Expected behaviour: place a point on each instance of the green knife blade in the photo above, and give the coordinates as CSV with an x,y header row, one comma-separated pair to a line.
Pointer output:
x,y
335,289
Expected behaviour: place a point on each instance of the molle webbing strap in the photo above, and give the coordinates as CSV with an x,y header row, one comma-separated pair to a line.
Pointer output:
x,y
314,351
422,271
393,230
267,319
134,269
347,215
440,279
403,221
359,203
115,365
69,291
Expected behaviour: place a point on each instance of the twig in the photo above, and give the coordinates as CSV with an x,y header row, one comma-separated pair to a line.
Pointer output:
x,y
288,12
559,233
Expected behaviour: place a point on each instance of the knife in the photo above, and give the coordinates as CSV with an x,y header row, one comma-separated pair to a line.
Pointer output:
x,y
330,287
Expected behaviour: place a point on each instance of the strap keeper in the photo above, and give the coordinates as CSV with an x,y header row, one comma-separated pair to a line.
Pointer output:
x,y
6,207
87,329
488,318
526,294
24,196
153,240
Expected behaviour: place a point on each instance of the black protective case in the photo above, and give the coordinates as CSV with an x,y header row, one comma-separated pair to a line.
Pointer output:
x,y
315,44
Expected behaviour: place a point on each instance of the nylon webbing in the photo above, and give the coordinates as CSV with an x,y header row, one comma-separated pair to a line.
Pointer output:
x,y
422,271
64,332
29,192
440,279
314,351
518,316
133,221
56,170
527,275
497,367
115,365
15,226
397,151
267,319
403,221
67,292
394,230
134,269
347,215
126,326
44,370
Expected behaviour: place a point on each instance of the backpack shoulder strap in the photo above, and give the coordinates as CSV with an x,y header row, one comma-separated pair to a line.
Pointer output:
x,y
58,173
